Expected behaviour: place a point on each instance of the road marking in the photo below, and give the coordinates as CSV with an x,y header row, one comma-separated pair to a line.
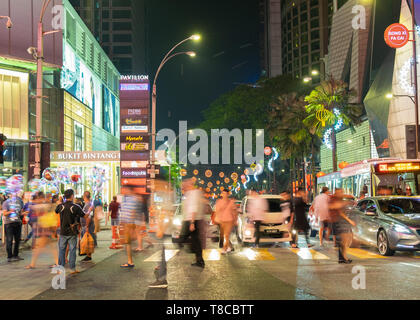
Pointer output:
x,y
257,254
309,254
410,264
211,255
364,254
157,256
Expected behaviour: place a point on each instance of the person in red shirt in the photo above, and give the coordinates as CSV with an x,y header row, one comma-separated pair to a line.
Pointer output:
x,y
114,208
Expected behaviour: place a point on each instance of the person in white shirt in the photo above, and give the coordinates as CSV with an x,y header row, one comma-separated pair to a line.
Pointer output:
x,y
258,206
320,209
193,214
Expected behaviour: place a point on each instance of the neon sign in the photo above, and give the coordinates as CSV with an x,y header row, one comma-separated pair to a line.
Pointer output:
x,y
399,167
134,86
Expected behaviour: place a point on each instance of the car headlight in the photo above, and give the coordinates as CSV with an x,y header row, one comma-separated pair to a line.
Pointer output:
x,y
401,229
177,222
248,233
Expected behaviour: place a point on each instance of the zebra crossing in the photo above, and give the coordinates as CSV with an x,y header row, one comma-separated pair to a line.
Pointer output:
x,y
269,254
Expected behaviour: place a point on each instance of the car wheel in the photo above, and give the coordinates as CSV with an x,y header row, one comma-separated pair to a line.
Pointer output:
x,y
383,244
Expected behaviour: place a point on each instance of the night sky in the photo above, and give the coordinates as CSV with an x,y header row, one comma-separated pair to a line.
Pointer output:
x,y
227,54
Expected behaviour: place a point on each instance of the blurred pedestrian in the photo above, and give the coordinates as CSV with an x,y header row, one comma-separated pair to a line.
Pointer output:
x,y
141,229
341,225
300,224
69,212
193,214
320,209
258,206
88,223
226,216
31,217
46,222
12,213
130,212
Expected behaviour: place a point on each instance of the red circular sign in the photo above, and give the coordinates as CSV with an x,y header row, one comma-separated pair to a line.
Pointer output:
x,y
396,35
267,151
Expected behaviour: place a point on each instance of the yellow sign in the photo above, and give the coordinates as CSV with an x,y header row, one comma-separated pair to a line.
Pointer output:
x,y
134,146
399,167
131,121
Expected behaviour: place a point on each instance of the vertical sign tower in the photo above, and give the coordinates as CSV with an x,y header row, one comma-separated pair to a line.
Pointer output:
x,y
134,132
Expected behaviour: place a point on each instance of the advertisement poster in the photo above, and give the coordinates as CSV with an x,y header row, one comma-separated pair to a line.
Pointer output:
x,y
109,111
78,80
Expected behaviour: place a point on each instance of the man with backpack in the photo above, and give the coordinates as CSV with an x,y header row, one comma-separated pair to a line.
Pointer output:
x,y
69,214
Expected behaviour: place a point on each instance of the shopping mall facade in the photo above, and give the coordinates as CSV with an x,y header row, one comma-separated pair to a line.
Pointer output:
x,y
81,106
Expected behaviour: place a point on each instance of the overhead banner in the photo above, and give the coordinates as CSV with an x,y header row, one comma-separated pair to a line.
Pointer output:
x,y
134,131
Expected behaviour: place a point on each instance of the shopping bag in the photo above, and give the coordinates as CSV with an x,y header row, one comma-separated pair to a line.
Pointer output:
x,y
87,244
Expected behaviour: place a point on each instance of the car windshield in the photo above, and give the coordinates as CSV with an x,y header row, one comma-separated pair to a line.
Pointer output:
x,y
274,205
399,206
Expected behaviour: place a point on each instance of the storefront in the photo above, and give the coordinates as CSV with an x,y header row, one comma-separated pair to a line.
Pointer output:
x,y
83,166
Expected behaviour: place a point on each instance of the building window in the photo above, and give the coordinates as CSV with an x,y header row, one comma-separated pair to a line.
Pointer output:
x,y
314,13
121,3
105,26
78,137
314,23
105,14
315,35
121,14
295,22
305,60
303,38
105,38
304,27
315,57
315,46
121,26
304,49
303,6
122,50
105,3
122,38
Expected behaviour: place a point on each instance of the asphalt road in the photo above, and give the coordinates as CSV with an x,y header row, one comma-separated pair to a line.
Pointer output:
x,y
265,273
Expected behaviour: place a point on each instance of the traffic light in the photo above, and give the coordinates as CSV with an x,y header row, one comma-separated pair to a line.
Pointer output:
x,y
3,138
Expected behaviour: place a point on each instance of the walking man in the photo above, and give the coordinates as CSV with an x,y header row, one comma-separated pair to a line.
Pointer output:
x,y
258,206
88,224
69,214
320,209
193,214
12,210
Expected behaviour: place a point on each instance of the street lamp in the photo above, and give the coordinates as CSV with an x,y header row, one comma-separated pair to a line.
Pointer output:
x,y
194,37
38,54
9,23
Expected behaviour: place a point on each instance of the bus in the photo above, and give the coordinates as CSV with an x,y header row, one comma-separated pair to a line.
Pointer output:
x,y
375,177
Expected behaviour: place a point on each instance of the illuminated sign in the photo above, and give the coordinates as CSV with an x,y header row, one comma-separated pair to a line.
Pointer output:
x,y
396,35
134,173
134,138
134,146
134,86
398,167
134,164
133,128
134,77
78,156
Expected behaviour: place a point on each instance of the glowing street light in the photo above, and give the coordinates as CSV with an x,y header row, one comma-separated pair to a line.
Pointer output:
x,y
315,72
307,79
195,37
389,96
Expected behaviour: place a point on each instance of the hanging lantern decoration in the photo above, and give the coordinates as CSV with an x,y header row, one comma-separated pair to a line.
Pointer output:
x,y
230,187
195,172
322,116
209,184
217,182
234,176
343,164
208,173
183,172
214,189
207,189
227,180
221,174
222,188
267,151
320,174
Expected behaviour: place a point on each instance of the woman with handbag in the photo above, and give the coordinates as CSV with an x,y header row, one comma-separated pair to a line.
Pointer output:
x,y
44,229
226,216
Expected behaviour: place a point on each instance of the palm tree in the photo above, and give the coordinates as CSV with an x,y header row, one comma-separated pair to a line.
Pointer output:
x,y
328,104
288,132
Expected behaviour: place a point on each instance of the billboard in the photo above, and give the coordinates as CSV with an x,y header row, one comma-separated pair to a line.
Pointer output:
x,y
81,83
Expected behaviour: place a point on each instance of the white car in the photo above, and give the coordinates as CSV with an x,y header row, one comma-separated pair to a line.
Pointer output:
x,y
274,228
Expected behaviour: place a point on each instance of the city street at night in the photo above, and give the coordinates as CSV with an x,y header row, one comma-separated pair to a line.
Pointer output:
x,y
209,159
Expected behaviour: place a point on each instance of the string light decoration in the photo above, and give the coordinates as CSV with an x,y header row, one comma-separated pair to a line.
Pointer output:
x,y
273,158
337,126
247,181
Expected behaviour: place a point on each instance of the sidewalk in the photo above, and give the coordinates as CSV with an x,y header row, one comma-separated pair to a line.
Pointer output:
x,y
18,283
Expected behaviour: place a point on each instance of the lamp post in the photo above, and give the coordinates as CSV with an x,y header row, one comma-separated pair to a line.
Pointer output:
x,y
165,59
8,22
38,54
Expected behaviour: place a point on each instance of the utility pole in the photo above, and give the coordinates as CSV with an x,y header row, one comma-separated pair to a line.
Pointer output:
x,y
416,97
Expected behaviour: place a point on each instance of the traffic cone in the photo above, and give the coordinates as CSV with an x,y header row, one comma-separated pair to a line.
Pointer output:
x,y
115,239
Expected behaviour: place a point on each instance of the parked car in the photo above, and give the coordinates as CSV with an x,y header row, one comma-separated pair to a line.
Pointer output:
x,y
274,228
388,223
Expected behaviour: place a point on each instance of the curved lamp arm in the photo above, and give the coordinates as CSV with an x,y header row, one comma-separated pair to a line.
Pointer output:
x,y
44,8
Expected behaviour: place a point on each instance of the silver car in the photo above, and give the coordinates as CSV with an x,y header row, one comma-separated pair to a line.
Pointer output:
x,y
388,223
